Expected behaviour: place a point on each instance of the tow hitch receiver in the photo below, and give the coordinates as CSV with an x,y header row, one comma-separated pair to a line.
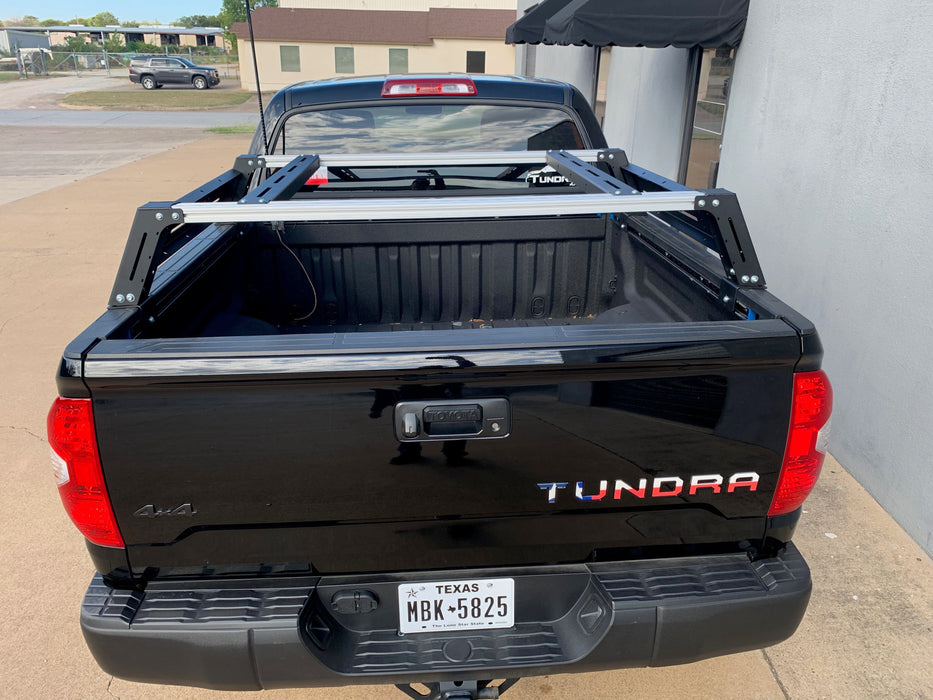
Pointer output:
x,y
459,690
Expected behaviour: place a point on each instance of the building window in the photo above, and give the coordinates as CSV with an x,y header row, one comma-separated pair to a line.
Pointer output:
x,y
290,59
476,62
715,78
343,59
398,60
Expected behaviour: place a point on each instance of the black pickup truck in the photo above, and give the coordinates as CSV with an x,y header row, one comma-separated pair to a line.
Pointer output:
x,y
433,386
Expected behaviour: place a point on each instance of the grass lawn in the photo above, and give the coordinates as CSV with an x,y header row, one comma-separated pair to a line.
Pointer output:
x,y
242,129
7,76
156,99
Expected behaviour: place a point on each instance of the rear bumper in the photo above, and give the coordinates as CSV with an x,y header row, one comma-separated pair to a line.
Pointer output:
x,y
267,633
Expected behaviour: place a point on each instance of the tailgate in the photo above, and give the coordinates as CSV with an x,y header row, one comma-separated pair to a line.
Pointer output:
x,y
284,454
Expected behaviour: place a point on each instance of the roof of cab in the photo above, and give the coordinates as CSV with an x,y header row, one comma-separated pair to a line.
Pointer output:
x,y
344,90
352,89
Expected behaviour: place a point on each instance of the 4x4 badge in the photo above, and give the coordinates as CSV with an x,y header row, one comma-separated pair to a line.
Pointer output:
x,y
150,511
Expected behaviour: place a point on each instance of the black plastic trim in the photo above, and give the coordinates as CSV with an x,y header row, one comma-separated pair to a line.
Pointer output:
x,y
249,634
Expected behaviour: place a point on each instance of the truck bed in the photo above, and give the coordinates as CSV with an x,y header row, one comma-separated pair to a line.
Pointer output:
x,y
586,271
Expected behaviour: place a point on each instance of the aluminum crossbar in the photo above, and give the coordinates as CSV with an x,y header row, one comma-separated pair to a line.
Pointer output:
x,y
358,160
437,207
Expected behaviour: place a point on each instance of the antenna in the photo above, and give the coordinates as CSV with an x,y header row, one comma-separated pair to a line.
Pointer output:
x,y
252,46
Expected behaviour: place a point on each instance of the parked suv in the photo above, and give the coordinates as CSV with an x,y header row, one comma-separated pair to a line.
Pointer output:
x,y
156,71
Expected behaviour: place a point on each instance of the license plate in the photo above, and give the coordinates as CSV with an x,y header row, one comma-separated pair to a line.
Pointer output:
x,y
456,605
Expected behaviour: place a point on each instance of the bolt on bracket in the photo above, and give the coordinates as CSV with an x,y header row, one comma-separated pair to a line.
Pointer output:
x,y
145,243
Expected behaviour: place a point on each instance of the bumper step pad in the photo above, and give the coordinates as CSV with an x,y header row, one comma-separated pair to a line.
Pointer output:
x,y
286,632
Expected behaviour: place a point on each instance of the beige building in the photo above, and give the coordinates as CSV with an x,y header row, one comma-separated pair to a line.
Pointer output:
x,y
295,44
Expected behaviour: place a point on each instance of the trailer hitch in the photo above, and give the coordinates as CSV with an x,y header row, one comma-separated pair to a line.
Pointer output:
x,y
459,690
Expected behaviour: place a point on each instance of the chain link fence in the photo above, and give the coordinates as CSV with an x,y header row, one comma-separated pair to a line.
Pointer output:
x,y
40,62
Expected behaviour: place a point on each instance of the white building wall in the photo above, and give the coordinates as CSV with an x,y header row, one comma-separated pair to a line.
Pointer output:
x,y
572,64
645,106
521,50
828,145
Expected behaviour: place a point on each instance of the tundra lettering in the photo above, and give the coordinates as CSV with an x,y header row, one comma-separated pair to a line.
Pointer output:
x,y
662,486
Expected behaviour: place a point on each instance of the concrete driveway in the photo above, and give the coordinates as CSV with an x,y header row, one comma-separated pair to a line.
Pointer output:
x,y
50,156
46,145
868,632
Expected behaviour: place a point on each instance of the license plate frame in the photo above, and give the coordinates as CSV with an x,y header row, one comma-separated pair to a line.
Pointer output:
x,y
456,606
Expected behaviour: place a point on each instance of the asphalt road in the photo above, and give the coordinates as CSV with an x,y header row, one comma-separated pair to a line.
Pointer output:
x,y
124,119
867,634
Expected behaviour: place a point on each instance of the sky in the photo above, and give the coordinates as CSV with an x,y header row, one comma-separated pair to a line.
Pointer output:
x,y
142,10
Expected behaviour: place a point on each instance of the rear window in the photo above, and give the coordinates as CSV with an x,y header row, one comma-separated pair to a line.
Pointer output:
x,y
428,128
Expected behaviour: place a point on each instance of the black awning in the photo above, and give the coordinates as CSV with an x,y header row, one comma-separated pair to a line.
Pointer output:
x,y
652,23
530,28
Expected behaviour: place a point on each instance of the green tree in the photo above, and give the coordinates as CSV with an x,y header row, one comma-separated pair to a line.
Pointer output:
x,y
199,21
235,10
76,43
142,47
102,19
30,21
51,23
114,43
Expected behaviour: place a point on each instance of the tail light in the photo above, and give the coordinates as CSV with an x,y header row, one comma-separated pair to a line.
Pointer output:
x,y
415,87
77,468
806,441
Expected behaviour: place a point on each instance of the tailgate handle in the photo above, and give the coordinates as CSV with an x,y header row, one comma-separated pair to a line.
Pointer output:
x,y
420,421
